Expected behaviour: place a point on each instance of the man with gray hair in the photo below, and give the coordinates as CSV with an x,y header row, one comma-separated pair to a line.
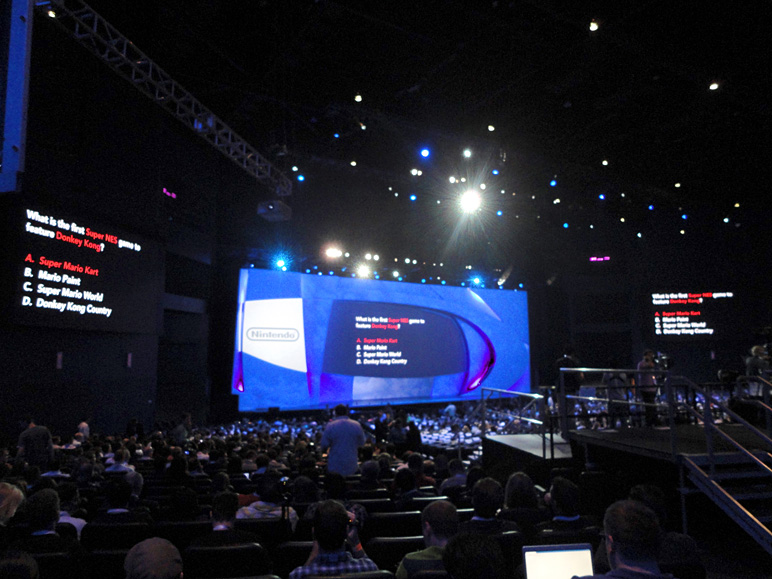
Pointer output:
x,y
154,558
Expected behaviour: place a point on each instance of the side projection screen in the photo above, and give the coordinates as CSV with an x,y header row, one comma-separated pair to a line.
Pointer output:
x,y
307,341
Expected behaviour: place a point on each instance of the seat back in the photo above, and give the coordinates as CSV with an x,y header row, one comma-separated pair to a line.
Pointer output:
x,y
226,561
113,535
105,564
378,505
181,533
402,524
56,565
380,574
387,552
270,531
289,555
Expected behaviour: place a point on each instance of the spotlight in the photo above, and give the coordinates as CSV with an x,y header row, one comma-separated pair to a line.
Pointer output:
x,y
470,201
425,153
358,98
594,25
333,252
491,128
713,86
363,271
467,153
368,256
280,263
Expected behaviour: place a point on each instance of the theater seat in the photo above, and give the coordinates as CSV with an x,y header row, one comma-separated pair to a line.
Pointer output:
x,y
289,555
270,531
387,552
181,533
105,564
380,574
431,574
108,536
56,565
377,505
226,561
402,524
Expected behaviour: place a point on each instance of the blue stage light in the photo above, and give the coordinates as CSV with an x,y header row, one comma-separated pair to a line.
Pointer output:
x,y
651,207
601,197
412,197
684,216
301,178
520,285
495,171
423,280
425,153
336,135
280,263
565,226
442,282
553,183
499,213
308,271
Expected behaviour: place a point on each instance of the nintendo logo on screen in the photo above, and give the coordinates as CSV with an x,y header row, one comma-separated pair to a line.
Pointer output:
x,y
272,334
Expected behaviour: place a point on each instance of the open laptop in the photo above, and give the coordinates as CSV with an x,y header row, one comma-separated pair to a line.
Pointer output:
x,y
557,561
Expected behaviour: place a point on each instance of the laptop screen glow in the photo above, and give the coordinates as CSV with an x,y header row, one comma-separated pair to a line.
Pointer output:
x,y
557,561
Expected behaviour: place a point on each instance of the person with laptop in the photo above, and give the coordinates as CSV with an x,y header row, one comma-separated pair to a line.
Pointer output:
x,y
632,535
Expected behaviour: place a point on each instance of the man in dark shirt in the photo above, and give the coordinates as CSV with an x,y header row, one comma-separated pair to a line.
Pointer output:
x,y
487,499
36,446
632,536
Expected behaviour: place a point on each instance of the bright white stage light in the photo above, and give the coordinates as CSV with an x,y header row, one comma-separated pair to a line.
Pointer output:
x,y
470,201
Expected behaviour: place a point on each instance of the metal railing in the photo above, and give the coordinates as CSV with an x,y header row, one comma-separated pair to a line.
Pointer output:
x,y
537,405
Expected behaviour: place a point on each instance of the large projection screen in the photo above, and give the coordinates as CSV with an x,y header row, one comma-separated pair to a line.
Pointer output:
x,y
309,341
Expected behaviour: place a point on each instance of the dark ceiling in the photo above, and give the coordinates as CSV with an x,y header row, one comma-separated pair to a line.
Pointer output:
x,y
562,99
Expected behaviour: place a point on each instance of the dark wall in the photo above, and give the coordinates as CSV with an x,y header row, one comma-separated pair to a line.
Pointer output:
x,y
101,151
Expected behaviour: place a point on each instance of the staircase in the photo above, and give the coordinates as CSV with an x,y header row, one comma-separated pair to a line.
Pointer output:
x,y
738,482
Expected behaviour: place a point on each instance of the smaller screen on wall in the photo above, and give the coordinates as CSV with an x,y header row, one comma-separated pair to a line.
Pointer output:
x,y
73,272
692,315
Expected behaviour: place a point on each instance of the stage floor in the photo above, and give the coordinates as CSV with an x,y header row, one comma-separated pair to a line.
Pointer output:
x,y
657,443
532,444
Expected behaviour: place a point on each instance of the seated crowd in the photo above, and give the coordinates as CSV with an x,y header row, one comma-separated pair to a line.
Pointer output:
x,y
254,498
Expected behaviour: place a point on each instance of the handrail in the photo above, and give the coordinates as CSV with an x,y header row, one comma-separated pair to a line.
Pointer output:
x,y
759,527
519,415
707,419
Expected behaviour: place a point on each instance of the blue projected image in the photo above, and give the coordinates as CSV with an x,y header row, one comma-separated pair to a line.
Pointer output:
x,y
304,341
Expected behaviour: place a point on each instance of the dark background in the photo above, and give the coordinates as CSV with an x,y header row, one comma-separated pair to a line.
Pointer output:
x,y
434,74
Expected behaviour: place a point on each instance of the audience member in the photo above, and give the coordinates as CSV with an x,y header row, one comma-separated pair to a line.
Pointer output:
x,y
487,499
42,510
271,504
329,555
118,495
457,478
154,558
342,437
35,445
18,565
70,511
632,535
439,523
473,556
563,500
521,504
675,550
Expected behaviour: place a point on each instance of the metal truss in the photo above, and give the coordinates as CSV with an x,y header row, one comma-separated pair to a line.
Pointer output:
x,y
97,35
